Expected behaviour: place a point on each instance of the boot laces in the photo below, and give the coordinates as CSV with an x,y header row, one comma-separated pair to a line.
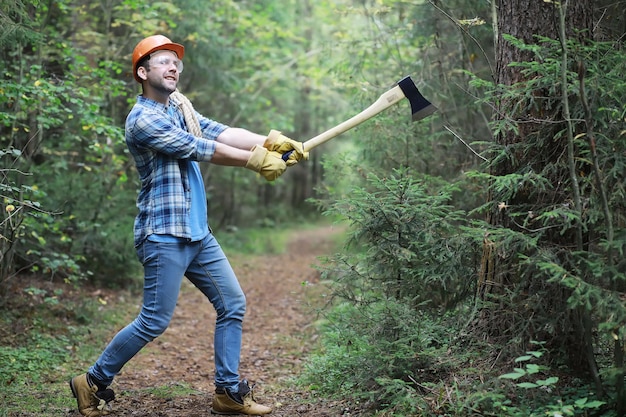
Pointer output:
x,y
103,398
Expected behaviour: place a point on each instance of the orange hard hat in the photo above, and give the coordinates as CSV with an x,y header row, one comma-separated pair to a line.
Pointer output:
x,y
152,44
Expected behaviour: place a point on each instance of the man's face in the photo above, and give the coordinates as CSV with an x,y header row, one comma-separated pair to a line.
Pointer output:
x,y
163,71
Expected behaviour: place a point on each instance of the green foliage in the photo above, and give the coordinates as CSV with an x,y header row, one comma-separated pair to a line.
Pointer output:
x,y
530,369
375,352
47,336
30,364
545,402
402,273
68,170
264,239
407,234
15,22
543,395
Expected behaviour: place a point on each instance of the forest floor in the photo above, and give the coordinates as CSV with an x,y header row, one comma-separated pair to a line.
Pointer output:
x,y
173,376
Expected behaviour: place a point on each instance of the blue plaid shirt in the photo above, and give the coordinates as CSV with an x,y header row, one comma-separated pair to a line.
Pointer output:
x,y
158,140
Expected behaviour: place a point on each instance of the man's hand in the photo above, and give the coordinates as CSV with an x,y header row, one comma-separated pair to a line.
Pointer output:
x,y
267,163
282,144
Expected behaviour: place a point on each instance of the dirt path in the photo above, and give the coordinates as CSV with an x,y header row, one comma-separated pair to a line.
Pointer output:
x,y
277,334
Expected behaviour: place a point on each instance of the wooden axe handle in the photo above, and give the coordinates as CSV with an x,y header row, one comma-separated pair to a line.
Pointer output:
x,y
386,100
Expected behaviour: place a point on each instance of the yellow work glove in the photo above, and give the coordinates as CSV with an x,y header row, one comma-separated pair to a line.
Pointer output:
x,y
267,163
282,144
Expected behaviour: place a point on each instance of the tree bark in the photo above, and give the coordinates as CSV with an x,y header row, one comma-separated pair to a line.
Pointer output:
x,y
539,117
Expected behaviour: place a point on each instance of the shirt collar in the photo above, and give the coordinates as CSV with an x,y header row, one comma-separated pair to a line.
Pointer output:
x,y
152,104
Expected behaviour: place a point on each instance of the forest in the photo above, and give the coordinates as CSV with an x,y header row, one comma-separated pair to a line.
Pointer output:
x,y
483,268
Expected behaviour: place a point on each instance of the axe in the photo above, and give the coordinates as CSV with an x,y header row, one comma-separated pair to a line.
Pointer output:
x,y
420,108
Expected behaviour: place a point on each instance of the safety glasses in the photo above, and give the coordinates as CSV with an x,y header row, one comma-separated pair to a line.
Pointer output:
x,y
161,60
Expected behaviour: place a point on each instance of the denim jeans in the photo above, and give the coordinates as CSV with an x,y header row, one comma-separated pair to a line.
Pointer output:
x,y
165,264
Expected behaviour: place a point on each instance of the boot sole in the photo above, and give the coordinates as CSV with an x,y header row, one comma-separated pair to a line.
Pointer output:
x,y
226,413
231,413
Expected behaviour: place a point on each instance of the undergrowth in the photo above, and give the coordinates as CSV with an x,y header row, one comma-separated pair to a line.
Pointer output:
x,y
49,336
401,335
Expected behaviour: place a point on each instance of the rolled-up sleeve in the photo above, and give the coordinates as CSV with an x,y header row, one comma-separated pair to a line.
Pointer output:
x,y
158,134
153,130
210,128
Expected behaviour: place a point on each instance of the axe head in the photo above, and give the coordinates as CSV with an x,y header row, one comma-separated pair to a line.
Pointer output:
x,y
420,107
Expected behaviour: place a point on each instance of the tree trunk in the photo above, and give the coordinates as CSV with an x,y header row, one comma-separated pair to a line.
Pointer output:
x,y
525,20
539,117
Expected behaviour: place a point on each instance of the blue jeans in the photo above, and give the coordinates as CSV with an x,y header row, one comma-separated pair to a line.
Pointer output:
x,y
165,264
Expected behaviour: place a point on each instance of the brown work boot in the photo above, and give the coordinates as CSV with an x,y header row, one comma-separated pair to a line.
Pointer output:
x,y
240,402
92,402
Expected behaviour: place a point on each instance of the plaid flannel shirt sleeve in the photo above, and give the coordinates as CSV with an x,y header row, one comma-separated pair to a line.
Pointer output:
x,y
210,128
153,131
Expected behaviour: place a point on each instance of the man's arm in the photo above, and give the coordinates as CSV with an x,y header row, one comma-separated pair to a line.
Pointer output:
x,y
267,163
230,156
239,138
233,146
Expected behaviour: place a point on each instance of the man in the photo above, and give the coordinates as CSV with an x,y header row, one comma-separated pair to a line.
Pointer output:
x,y
167,139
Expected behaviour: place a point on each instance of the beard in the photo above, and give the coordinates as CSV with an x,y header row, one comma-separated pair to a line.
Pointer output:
x,y
163,86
